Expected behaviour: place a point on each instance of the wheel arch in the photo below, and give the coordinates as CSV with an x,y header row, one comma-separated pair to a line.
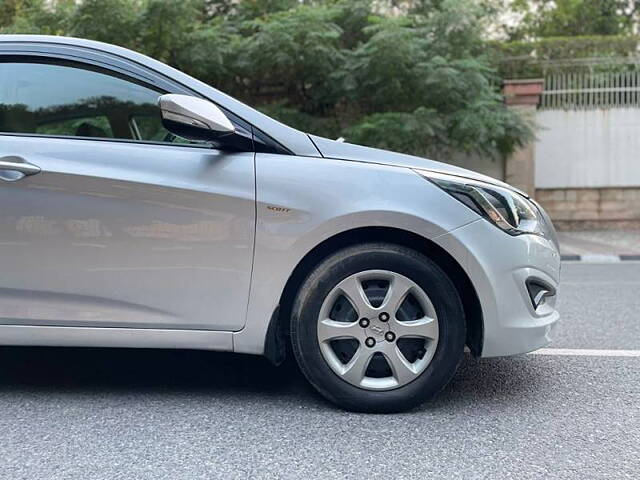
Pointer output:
x,y
275,342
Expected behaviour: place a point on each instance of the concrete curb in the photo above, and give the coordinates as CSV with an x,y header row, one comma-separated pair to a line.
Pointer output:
x,y
600,258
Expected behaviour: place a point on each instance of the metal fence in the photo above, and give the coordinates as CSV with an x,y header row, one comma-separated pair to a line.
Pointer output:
x,y
584,91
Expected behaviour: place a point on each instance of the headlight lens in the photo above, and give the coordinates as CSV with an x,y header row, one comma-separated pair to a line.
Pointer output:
x,y
507,209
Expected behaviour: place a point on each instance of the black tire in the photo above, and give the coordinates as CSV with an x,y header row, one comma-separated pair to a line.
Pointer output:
x,y
405,261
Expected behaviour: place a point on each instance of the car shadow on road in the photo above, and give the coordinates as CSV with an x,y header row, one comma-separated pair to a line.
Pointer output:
x,y
93,370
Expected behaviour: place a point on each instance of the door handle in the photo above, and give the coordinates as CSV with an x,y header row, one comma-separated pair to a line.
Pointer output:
x,y
14,163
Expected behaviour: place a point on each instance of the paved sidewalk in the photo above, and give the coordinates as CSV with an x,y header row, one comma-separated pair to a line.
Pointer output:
x,y
623,243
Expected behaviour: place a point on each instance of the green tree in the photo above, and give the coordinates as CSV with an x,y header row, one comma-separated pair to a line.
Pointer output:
x,y
165,27
111,21
425,82
36,16
249,9
294,51
10,9
557,18
210,53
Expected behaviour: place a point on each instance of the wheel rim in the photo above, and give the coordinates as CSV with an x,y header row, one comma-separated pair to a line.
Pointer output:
x,y
376,317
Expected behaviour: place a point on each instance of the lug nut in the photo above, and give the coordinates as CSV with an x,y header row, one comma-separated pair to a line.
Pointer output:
x,y
390,336
364,322
370,342
384,317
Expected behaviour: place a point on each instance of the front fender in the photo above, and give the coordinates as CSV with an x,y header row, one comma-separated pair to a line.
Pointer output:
x,y
302,202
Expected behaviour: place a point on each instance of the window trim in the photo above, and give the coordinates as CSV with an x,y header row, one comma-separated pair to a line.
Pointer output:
x,y
201,146
152,80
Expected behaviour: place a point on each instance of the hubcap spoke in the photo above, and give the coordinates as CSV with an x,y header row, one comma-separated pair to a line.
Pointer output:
x,y
403,371
424,327
355,370
352,289
399,288
331,330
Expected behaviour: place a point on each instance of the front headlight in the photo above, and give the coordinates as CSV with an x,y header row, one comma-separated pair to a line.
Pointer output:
x,y
507,209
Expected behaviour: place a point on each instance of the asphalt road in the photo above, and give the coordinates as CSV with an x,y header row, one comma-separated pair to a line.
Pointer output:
x,y
122,414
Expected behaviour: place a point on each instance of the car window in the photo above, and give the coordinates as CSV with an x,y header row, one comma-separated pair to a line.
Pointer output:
x,y
69,100
150,128
95,126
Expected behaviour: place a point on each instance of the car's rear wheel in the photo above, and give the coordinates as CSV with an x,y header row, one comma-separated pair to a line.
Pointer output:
x,y
378,328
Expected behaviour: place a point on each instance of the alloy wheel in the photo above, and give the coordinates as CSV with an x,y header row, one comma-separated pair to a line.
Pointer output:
x,y
377,330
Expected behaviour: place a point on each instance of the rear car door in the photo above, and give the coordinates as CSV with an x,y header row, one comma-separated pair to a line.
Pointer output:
x,y
124,225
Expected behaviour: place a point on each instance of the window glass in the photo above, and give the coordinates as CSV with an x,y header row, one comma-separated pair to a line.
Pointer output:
x,y
150,128
54,99
97,126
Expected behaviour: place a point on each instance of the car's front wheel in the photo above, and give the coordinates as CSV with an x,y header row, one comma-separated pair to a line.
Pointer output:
x,y
378,328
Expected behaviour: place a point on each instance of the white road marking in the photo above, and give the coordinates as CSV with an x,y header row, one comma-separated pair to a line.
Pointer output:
x,y
581,352
600,258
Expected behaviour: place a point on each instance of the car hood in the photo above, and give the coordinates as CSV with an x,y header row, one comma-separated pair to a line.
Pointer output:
x,y
348,151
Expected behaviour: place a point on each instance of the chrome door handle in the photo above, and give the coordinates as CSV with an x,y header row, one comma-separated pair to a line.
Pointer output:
x,y
18,164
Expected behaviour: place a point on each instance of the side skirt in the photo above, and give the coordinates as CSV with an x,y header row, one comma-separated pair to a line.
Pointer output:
x,y
27,335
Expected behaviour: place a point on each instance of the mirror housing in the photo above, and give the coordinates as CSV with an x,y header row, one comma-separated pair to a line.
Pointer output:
x,y
193,118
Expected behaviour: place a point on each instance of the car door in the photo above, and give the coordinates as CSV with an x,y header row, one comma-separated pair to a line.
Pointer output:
x,y
106,219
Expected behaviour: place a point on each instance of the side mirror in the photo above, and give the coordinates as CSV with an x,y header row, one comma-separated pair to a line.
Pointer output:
x,y
193,118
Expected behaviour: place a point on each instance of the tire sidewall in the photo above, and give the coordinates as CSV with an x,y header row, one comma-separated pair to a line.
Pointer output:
x,y
428,276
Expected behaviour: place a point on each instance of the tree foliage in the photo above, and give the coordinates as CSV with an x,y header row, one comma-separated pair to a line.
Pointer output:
x,y
556,18
416,81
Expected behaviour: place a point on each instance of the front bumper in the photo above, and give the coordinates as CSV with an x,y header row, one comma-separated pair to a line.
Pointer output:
x,y
499,266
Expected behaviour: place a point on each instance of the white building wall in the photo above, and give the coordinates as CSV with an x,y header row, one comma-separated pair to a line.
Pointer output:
x,y
588,148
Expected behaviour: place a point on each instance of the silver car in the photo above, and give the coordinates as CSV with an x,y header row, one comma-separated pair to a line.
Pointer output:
x,y
140,207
